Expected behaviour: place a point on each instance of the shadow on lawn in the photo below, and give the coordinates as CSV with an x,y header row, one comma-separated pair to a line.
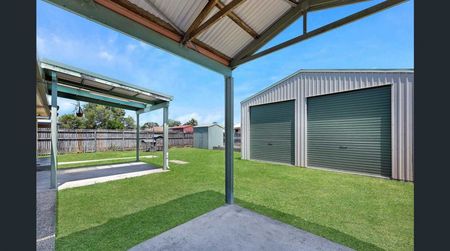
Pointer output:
x,y
130,230
326,232
127,231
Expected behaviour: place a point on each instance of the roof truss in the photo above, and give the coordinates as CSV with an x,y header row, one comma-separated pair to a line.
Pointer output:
x,y
198,20
214,19
306,35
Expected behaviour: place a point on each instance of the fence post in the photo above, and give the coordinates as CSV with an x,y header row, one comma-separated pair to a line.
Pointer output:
x,y
123,139
95,140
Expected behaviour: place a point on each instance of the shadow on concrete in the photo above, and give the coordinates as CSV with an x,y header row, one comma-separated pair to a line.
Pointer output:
x,y
127,231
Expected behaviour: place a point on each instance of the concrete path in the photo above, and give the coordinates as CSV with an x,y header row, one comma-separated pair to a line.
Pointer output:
x,y
231,227
180,162
45,213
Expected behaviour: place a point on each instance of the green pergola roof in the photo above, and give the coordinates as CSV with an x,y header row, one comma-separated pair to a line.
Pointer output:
x,y
79,84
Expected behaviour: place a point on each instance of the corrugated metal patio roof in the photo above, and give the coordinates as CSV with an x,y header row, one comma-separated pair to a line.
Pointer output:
x,y
218,34
74,80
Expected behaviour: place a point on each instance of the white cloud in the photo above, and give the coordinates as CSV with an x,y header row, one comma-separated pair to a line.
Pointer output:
x,y
207,118
106,55
131,47
212,117
184,118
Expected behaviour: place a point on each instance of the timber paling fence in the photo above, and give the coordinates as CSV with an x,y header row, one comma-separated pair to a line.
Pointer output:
x,y
99,140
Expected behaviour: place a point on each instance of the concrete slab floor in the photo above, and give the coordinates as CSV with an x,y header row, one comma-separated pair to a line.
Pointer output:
x,y
231,227
100,160
84,176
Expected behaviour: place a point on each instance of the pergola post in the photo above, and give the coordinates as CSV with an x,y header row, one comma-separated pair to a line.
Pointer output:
x,y
166,137
54,132
137,136
229,141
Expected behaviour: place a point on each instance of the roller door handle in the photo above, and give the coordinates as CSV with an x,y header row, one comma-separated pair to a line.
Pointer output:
x,y
343,147
269,144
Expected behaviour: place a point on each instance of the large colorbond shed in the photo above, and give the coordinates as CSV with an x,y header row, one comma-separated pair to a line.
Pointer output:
x,y
208,136
349,120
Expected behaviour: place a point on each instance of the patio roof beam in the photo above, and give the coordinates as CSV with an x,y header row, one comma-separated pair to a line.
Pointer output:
x,y
237,20
358,15
150,108
291,3
199,19
214,19
283,22
72,93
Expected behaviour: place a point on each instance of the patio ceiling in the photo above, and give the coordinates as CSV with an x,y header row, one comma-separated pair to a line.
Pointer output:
x,y
218,34
42,108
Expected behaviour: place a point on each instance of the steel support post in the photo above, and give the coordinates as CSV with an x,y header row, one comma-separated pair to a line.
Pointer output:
x,y
166,138
54,132
229,140
137,137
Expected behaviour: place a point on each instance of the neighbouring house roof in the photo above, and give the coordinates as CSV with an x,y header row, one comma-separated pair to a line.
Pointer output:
x,y
181,127
156,129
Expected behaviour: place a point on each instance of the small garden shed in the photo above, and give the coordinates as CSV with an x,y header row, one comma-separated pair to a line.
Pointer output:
x,y
208,136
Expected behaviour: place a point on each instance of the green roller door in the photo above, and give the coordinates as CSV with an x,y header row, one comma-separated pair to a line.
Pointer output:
x,y
351,131
272,132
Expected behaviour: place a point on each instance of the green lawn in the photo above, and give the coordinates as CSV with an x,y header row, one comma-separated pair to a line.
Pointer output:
x,y
363,213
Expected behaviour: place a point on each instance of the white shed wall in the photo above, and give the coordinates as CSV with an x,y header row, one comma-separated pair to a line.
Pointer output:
x,y
304,84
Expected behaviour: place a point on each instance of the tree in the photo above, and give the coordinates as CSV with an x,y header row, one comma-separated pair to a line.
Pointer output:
x,y
129,122
105,117
192,122
70,121
172,123
148,125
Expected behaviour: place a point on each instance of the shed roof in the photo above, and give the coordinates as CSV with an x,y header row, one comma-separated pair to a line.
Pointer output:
x,y
303,71
75,80
218,34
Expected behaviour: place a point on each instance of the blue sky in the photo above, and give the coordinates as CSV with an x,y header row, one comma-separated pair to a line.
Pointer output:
x,y
384,40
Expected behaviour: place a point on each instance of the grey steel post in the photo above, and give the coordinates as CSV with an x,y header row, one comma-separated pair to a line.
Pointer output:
x,y
166,137
54,131
137,136
229,141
